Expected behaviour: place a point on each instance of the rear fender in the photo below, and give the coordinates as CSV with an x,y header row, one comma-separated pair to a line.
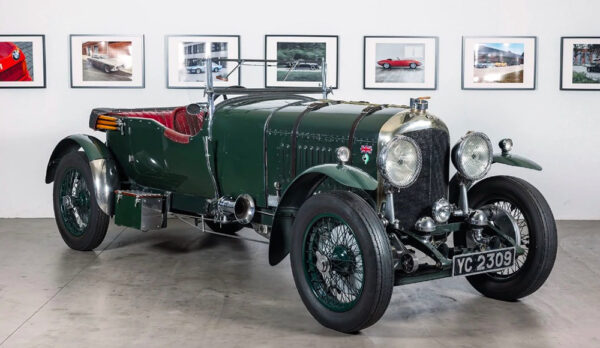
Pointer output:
x,y
302,188
102,164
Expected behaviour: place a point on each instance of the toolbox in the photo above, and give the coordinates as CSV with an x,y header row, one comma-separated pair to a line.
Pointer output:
x,y
142,210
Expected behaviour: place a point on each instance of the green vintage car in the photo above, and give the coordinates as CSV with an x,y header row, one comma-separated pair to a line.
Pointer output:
x,y
358,194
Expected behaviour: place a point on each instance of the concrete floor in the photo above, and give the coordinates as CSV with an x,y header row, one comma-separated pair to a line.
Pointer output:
x,y
177,287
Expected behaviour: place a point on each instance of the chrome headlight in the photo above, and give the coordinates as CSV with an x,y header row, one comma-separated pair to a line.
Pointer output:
x,y
472,156
400,161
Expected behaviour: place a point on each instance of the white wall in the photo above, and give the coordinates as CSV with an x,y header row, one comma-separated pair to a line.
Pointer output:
x,y
559,129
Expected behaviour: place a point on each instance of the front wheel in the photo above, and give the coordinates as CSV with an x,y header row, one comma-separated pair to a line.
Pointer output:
x,y
537,230
341,261
81,222
413,65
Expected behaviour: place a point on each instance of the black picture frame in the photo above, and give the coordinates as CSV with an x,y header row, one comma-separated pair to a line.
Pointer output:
x,y
437,44
43,37
562,47
337,55
462,61
142,36
166,42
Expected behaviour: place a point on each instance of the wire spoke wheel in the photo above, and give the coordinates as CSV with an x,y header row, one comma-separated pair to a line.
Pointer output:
x,y
532,226
523,230
333,262
74,201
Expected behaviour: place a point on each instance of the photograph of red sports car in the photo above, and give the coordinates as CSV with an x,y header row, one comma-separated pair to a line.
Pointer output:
x,y
399,63
15,64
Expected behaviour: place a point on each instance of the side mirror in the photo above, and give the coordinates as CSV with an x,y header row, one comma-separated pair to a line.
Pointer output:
x,y
194,109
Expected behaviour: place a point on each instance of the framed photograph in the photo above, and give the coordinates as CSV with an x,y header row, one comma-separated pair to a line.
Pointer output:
x,y
186,67
580,63
498,62
107,61
400,62
22,61
304,55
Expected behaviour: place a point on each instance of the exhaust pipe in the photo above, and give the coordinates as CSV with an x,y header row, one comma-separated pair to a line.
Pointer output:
x,y
242,208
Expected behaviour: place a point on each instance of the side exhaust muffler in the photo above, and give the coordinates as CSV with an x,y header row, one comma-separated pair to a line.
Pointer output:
x,y
242,208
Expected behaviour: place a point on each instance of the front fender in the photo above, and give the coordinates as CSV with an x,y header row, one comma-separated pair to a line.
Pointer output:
x,y
303,186
515,160
504,158
102,165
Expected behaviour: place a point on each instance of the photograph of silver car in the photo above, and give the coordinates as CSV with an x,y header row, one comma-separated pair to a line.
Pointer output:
x,y
193,53
186,57
106,60
301,60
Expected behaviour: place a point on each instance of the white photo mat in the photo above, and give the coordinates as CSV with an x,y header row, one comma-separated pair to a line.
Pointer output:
x,y
567,63
529,64
137,62
430,63
331,52
176,60
39,73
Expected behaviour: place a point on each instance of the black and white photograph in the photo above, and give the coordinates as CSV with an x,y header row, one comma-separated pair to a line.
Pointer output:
x,y
107,61
580,63
186,60
499,62
22,61
400,62
300,60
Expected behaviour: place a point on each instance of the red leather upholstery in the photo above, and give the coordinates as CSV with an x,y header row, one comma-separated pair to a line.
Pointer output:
x,y
186,123
179,125
176,136
163,117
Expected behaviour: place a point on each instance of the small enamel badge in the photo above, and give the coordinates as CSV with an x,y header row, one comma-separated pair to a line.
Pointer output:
x,y
366,150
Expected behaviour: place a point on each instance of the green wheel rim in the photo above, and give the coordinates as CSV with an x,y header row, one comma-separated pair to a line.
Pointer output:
x,y
74,202
333,262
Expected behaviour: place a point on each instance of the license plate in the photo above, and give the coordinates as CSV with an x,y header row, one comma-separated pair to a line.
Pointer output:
x,y
483,262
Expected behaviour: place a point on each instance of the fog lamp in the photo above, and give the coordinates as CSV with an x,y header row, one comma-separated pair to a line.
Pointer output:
x,y
441,210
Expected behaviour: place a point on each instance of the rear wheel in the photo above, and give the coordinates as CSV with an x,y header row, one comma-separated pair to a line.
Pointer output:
x,y
537,235
81,222
341,261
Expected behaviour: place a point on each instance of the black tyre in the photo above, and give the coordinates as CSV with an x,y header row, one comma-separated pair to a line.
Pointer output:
x,y
106,69
386,65
224,228
537,230
341,261
81,222
198,71
413,65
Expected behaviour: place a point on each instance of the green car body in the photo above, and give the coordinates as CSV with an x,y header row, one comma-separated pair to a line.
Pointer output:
x,y
253,153
269,160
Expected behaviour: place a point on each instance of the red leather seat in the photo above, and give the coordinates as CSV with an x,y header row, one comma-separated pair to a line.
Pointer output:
x,y
164,117
186,123
179,125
